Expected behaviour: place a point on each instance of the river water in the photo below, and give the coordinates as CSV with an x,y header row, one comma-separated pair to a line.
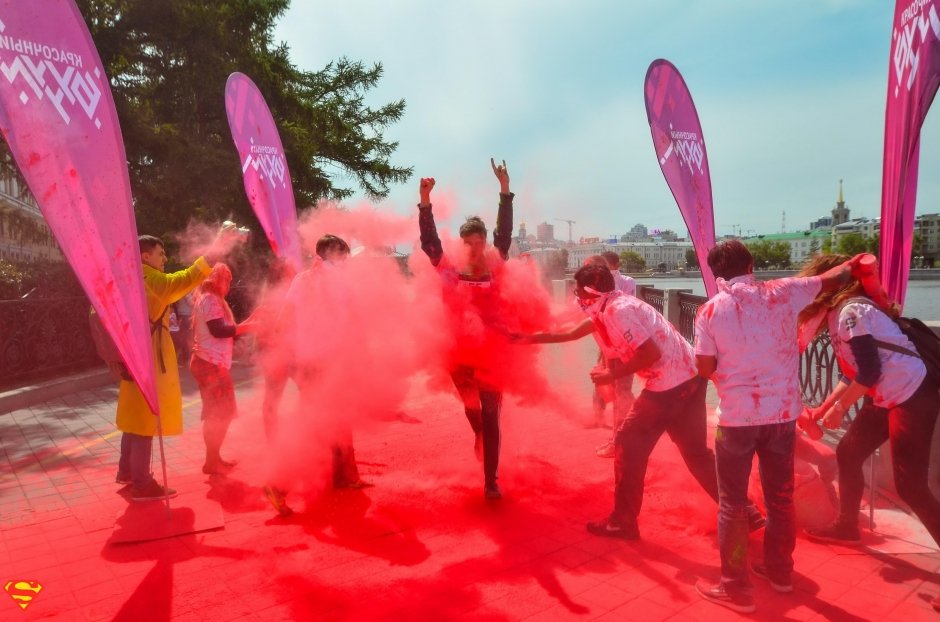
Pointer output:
x,y
923,297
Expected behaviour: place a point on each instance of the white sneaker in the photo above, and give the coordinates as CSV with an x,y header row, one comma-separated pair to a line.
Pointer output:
x,y
606,450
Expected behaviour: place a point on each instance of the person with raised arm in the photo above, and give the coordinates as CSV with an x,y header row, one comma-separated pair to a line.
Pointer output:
x,y
472,278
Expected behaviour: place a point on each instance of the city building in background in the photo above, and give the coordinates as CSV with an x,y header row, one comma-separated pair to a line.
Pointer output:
x,y
24,234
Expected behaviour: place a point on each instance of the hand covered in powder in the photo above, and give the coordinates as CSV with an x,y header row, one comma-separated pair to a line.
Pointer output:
x,y
427,183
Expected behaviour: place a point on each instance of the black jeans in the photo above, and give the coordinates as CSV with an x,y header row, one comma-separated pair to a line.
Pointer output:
x,y
482,405
774,444
680,411
909,426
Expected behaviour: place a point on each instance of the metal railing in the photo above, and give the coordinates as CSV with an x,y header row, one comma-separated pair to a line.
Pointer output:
x,y
44,337
688,307
653,297
819,371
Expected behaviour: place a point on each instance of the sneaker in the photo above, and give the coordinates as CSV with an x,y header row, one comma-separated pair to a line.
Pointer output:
x,y
152,492
741,602
606,450
610,528
837,533
276,497
478,446
784,587
492,492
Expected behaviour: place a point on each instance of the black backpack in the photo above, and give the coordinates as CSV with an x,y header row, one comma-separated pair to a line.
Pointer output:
x,y
925,341
108,351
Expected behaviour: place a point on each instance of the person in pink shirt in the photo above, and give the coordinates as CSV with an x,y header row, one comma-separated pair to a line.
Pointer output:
x,y
746,342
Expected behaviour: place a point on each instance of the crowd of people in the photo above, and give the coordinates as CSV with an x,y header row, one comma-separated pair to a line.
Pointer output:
x,y
746,344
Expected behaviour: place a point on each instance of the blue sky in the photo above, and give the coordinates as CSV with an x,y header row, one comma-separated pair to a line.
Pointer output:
x,y
790,94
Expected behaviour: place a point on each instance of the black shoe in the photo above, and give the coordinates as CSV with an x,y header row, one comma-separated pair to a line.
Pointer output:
x,y
492,492
610,528
836,533
152,492
741,602
784,587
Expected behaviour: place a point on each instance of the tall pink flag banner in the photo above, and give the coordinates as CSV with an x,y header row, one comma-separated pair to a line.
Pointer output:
x,y
58,118
913,78
680,150
264,167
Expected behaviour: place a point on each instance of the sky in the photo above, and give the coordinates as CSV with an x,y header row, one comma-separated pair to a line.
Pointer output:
x,y
791,98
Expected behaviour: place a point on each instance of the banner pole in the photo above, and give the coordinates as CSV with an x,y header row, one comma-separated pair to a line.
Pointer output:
x,y
163,465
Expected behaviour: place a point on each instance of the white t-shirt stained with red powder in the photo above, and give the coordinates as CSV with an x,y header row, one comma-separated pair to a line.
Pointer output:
x,y
215,350
751,329
901,374
628,323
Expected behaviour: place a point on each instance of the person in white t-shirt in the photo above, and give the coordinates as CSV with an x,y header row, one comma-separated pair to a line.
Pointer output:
x,y
214,330
901,404
619,392
672,400
746,342
622,282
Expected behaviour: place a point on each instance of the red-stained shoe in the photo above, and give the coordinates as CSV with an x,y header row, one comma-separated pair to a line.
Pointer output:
x,y
742,602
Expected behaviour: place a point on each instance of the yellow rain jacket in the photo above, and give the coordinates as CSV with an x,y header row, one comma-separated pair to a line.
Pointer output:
x,y
133,414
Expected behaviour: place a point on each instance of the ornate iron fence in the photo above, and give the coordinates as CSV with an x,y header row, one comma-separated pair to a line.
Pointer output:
x,y
688,307
652,296
44,337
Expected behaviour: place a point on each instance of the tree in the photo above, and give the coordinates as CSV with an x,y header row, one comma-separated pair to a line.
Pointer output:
x,y
852,244
691,259
168,61
632,262
770,254
814,247
827,246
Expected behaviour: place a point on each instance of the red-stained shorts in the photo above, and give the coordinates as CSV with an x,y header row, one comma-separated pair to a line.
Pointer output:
x,y
216,389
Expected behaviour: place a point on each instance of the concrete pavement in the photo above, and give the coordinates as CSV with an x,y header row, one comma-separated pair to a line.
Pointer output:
x,y
422,544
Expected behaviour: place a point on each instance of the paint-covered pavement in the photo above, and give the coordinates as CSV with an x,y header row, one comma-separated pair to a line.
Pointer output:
x,y
423,544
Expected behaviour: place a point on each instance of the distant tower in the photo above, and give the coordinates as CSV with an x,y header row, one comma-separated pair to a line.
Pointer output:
x,y
840,213
783,222
522,234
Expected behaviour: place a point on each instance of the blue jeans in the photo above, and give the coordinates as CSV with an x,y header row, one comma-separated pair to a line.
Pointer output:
x,y
135,459
734,452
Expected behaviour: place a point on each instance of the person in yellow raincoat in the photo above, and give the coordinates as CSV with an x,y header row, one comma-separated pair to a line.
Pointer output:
x,y
134,417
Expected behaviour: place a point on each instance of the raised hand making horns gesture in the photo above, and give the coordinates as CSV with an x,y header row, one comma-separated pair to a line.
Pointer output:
x,y
502,174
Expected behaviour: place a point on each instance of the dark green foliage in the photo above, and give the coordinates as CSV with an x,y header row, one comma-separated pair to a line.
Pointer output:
x,y
168,61
632,262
